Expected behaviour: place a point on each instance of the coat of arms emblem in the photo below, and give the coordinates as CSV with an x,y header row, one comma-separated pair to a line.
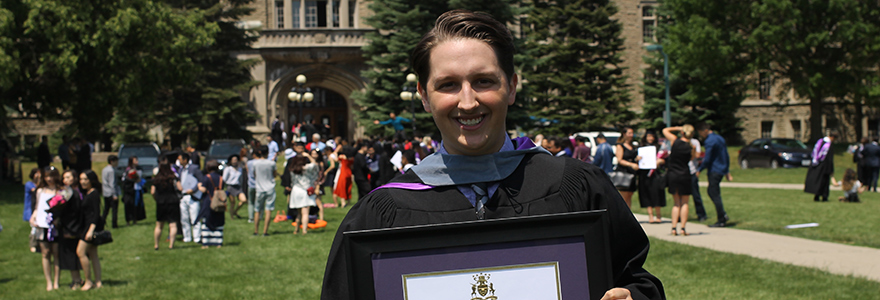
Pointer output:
x,y
482,288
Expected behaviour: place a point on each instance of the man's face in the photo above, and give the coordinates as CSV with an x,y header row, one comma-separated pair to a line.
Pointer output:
x,y
392,115
183,161
298,148
703,133
468,94
553,148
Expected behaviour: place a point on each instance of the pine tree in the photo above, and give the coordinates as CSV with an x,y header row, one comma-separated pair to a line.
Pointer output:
x,y
400,25
576,78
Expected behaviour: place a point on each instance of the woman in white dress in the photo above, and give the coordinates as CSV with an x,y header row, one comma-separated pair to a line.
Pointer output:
x,y
46,189
304,173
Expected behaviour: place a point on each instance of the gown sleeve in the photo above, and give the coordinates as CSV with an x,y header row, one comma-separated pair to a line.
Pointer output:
x,y
586,187
377,210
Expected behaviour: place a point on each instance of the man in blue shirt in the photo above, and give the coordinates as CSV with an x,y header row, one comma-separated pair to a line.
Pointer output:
x,y
397,123
717,162
604,154
273,148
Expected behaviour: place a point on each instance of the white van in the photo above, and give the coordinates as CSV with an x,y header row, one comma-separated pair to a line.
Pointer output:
x,y
610,136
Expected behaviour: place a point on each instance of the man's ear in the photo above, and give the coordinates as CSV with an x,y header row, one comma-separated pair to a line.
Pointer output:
x,y
424,95
513,83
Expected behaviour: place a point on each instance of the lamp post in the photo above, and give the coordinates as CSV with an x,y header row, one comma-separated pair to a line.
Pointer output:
x,y
410,94
667,117
300,94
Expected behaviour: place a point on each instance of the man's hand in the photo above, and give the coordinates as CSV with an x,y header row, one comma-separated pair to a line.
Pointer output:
x,y
729,177
115,198
617,294
375,121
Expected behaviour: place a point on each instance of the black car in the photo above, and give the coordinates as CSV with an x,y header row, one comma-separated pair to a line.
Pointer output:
x,y
222,149
773,153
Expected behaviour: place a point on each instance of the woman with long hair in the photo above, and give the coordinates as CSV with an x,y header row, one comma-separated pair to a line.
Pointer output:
x,y
331,167
166,190
679,176
47,188
319,182
232,179
68,215
92,223
304,172
651,194
627,161
132,190
852,187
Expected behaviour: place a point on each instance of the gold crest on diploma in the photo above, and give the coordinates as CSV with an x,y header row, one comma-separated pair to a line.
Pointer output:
x,y
483,287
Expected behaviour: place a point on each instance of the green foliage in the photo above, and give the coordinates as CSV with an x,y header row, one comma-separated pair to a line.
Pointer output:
x,y
575,79
400,25
707,71
85,60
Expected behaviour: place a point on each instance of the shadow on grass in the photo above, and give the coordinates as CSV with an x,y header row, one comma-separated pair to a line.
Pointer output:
x,y
111,282
5,280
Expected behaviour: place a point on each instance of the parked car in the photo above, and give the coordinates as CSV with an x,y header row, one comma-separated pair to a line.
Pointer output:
x,y
147,154
610,136
773,153
222,149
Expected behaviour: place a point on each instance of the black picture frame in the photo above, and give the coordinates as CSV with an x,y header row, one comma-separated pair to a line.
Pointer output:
x,y
419,243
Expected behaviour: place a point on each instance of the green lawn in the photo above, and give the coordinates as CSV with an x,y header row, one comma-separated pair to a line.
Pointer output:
x,y
842,161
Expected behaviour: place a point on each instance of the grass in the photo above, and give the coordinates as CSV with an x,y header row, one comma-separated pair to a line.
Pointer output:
x,y
842,161
769,210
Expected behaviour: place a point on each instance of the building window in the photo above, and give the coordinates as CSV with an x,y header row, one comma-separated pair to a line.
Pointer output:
x,y
649,24
352,5
796,128
294,13
335,14
765,83
279,14
311,14
766,129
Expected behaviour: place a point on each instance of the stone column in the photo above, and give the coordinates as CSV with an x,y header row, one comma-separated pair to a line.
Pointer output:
x,y
343,14
288,15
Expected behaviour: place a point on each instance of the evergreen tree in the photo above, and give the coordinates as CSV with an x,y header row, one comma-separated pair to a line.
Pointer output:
x,y
211,106
576,76
400,25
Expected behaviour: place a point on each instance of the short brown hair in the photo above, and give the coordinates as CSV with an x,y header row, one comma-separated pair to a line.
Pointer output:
x,y
462,24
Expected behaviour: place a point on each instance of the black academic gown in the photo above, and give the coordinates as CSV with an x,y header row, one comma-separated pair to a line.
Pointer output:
x,y
541,185
819,177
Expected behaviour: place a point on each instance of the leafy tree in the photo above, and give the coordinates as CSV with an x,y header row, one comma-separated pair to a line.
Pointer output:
x,y
400,25
707,69
576,75
86,60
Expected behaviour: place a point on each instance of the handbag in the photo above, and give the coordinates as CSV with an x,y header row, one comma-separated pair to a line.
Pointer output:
x,y
310,191
102,237
621,179
218,200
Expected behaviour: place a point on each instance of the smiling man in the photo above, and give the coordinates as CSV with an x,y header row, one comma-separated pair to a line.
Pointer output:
x,y
467,82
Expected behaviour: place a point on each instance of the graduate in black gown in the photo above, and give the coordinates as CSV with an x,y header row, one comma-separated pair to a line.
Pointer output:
x,y
821,171
478,172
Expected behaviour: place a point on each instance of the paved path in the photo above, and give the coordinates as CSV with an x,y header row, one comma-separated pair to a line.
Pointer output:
x,y
734,184
831,257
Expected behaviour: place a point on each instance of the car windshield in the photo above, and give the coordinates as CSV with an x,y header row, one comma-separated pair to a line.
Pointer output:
x,y
224,149
789,144
139,151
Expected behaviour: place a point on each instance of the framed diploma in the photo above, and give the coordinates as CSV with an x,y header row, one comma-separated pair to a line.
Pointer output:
x,y
561,256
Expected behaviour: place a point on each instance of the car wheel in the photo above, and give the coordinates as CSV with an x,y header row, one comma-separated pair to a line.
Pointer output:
x,y
744,164
774,164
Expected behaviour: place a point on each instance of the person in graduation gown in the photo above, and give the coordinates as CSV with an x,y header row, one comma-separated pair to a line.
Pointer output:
x,y
821,171
478,172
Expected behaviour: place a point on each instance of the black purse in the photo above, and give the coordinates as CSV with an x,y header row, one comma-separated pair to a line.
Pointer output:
x,y
102,237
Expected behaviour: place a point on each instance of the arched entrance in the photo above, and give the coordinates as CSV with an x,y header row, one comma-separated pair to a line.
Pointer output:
x,y
329,109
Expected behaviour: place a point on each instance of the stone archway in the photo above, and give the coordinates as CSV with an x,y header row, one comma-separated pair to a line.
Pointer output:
x,y
332,87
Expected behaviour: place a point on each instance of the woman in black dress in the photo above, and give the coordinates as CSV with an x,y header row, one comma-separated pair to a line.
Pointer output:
x,y
69,219
679,175
627,161
166,190
652,183
90,210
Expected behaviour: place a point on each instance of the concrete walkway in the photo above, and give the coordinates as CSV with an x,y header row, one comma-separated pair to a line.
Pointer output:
x,y
830,257
752,185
